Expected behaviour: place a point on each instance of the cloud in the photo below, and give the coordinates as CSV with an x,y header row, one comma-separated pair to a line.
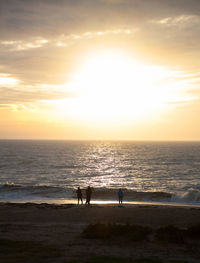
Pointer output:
x,y
63,40
26,26
41,41
49,18
32,94
19,45
38,60
16,107
8,80
183,21
4,106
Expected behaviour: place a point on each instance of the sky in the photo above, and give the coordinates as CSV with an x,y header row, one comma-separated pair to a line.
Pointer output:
x,y
100,69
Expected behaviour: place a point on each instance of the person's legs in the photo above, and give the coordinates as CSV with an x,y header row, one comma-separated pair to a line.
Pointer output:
x,y
86,201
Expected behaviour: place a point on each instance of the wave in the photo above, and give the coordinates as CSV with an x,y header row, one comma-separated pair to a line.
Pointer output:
x,y
189,196
130,195
11,191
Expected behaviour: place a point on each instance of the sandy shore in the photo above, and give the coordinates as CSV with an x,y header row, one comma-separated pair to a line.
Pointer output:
x,y
62,226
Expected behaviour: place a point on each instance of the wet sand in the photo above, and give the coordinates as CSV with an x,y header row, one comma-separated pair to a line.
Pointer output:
x,y
62,225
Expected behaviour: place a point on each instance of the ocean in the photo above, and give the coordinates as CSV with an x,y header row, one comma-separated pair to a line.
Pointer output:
x,y
50,171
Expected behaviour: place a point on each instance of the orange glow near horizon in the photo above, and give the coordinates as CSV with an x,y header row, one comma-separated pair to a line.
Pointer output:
x,y
122,73
112,96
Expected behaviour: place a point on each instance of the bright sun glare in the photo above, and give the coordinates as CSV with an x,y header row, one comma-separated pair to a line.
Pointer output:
x,y
111,87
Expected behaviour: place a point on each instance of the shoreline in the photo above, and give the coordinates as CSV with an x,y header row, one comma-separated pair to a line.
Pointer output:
x,y
43,213
73,202
97,212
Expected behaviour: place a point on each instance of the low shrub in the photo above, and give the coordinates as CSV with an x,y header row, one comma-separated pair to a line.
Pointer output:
x,y
193,232
139,233
12,251
105,231
170,234
106,259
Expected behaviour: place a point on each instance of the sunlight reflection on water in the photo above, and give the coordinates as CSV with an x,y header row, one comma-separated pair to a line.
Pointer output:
x,y
55,168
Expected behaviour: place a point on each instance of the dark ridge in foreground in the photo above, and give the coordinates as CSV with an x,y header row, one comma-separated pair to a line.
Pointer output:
x,y
34,233
99,259
12,251
136,233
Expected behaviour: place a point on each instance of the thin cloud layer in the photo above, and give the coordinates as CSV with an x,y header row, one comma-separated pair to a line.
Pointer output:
x,y
40,35
29,94
42,42
48,18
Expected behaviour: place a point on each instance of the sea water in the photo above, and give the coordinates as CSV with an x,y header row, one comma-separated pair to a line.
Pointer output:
x,y
50,171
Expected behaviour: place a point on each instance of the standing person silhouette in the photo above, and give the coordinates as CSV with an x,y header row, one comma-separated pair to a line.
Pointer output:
x,y
120,196
88,195
79,195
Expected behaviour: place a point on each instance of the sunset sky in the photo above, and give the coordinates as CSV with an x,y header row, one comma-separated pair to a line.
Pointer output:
x,y
100,69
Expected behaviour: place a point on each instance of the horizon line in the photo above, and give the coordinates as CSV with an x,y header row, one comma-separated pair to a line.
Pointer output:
x,y
98,140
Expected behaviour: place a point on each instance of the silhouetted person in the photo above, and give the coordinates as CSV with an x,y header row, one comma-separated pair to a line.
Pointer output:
x,y
79,195
88,195
120,196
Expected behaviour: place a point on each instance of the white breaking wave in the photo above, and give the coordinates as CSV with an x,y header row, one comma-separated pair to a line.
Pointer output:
x,y
147,171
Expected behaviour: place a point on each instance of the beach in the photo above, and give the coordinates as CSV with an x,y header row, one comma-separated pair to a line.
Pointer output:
x,y
61,226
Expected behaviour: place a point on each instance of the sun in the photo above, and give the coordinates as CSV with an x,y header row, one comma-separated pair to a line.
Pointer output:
x,y
114,87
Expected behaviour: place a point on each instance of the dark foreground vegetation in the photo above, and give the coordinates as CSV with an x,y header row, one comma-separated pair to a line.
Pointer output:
x,y
27,251
12,251
32,252
124,260
170,234
107,231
